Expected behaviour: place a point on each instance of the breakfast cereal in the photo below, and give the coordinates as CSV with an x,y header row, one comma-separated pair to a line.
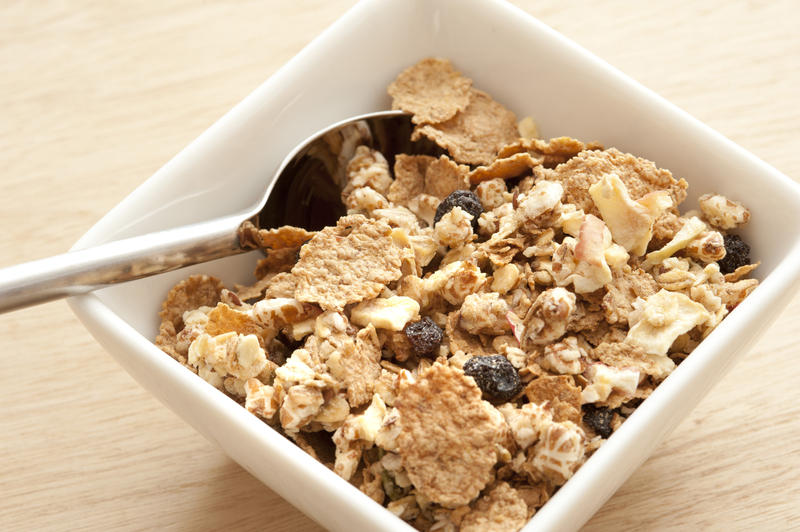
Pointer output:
x,y
480,322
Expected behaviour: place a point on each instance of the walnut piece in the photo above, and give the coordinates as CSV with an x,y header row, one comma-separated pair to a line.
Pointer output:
x,y
722,212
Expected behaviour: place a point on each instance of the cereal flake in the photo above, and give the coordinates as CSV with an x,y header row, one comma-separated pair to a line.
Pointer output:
x,y
562,394
639,175
474,135
500,510
432,90
347,263
443,419
189,294
251,237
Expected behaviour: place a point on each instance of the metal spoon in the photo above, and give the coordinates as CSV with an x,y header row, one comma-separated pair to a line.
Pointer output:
x,y
304,192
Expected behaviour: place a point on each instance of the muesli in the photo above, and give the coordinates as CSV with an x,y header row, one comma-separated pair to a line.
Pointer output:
x,y
479,323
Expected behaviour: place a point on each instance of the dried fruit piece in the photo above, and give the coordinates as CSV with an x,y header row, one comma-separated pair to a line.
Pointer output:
x,y
465,199
599,419
424,335
657,321
737,254
630,222
496,377
390,313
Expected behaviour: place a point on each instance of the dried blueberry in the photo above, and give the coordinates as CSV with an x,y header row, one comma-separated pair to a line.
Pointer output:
x,y
598,419
424,336
496,377
737,254
465,199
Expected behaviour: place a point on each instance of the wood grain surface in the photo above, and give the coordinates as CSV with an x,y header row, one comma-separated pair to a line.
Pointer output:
x,y
96,96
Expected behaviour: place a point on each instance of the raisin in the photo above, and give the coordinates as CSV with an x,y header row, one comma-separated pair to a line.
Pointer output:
x,y
737,254
424,336
465,199
598,419
496,377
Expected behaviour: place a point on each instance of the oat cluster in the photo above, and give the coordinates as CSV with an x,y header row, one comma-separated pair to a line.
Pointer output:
x,y
567,263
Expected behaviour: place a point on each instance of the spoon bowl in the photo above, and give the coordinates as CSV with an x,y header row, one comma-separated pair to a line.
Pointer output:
x,y
304,192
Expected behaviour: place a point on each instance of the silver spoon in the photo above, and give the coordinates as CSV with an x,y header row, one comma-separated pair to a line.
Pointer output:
x,y
304,192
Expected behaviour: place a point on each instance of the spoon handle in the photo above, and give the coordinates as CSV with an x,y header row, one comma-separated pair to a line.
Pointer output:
x,y
81,271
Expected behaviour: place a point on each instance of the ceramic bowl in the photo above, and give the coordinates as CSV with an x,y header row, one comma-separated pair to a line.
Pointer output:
x,y
532,70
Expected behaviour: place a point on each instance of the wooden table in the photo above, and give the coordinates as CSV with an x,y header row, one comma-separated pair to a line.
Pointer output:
x,y
96,96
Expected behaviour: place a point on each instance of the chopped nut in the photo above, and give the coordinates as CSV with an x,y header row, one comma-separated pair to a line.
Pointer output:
x,y
261,399
722,212
459,280
539,201
454,229
582,262
228,354
367,168
356,365
301,403
526,422
492,193
505,278
605,379
547,319
484,314
559,452
708,247
563,357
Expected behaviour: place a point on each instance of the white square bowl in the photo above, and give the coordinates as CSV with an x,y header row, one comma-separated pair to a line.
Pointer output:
x,y
344,72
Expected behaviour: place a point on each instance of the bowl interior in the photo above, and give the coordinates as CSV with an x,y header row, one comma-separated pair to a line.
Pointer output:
x,y
522,63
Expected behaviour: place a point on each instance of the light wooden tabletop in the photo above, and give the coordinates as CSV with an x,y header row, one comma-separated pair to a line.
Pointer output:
x,y
96,96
